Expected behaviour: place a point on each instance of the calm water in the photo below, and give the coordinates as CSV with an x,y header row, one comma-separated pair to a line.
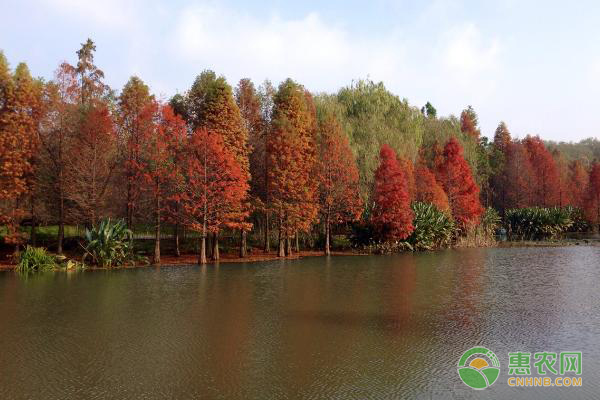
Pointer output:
x,y
345,327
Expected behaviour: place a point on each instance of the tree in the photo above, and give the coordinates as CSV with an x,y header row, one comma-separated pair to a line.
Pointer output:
x,y
214,186
91,164
135,120
455,176
498,158
578,182
392,215
518,178
291,160
429,111
562,170
18,144
546,184
90,76
250,106
428,190
592,198
212,107
56,135
338,177
159,167
468,123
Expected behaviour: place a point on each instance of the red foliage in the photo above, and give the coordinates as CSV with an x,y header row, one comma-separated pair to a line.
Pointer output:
x,y
592,196
392,215
456,178
159,168
91,166
215,184
518,177
578,181
409,174
428,190
338,177
546,185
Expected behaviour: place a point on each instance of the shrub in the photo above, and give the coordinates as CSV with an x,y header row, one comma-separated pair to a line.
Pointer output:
x,y
432,228
535,223
36,259
109,244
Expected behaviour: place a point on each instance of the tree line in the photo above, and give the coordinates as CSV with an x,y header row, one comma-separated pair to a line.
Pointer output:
x,y
279,163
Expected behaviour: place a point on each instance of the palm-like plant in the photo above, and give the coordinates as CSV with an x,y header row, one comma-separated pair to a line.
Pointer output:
x,y
538,223
432,228
109,244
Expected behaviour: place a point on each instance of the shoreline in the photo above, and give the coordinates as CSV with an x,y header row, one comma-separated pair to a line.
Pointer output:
x,y
192,259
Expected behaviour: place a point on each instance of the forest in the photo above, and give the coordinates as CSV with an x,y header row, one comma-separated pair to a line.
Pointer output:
x,y
269,168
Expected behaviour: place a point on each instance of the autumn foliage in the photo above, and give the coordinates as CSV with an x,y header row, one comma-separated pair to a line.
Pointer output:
x,y
392,215
454,174
215,186
337,174
276,164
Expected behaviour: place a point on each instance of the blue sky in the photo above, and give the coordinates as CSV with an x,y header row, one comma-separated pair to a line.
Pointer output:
x,y
533,64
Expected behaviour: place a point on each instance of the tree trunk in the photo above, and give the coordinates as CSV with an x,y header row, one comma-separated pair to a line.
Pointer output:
x,y
243,244
281,252
267,234
32,235
176,240
61,222
327,232
288,246
202,258
297,242
156,260
215,245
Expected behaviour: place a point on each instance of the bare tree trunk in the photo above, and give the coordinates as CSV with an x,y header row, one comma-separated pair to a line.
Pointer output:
x,y
243,244
281,252
202,257
267,233
61,223
157,234
215,245
327,233
288,246
297,243
32,235
176,239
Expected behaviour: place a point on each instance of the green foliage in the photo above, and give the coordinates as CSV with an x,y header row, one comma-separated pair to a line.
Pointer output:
x,y
580,223
490,222
109,244
536,223
432,228
36,259
373,116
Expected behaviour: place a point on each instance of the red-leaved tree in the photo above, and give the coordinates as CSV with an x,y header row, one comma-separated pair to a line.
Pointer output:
x,y
158,168
456,178
428,190
392,216
338,178
215,186
592,196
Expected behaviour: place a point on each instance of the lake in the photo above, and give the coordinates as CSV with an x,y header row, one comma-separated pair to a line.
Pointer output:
x,y
347,327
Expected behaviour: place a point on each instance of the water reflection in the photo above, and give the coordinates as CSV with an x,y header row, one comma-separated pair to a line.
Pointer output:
x,y
339,327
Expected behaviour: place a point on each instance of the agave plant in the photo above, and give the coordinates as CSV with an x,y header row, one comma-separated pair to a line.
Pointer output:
x,y
109,244
432,228
538,223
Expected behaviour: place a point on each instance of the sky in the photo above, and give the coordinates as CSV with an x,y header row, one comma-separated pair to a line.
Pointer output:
x,y
533,64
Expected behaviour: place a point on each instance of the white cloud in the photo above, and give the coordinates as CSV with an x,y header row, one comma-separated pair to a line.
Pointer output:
x,y
322,55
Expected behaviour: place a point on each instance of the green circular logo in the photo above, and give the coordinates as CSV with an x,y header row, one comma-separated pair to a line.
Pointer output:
x,y
482,370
